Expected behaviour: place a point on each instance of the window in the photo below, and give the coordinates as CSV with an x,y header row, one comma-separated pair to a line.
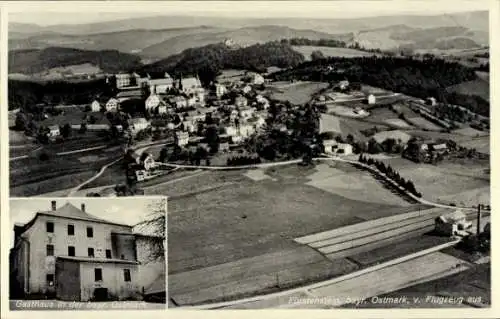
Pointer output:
x,y
50,250
123,256
91,252
50,280
126,274
108,253
50,227
71,250
71,230
98,274
90,232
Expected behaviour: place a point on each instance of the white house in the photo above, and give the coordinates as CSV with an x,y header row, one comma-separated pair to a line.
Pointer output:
x,y
54,131
431,101
240,101
231,130
147,160
191,101
246,130
344,149
333,147
152,102
188,125
247,89
371,99
138,124
161,86
181,138
343,84
262,101
112,105
330,146
220,90
255,78
178,102
95,106
191,85
246,113
162,109
451,224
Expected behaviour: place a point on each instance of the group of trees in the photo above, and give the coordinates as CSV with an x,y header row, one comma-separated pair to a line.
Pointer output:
x,y
243,160
32,97
390,173
208,61
416,77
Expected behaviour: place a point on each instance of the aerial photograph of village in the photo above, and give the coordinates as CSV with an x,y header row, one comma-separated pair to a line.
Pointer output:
x,y
314,156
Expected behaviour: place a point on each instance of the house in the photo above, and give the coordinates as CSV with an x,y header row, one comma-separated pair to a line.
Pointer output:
x,y
240,101
181,138
162,109
123,80
155,103
246,113
431,101
112,105
343,85
333,147
138,124
161,86
224,147
245,130
440,148
197,115
231,130
257,122
189,125
191,101
179,102
66,253
254,78
371,99
220,90
452,224
147,161
190,85
95,106
330,146
129,94
262,101
53,131
246,89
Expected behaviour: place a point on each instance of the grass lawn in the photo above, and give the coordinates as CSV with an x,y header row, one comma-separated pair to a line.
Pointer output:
x,y
436,183
477,87
298,93
381,114
51,185
331,52
423,123
221,220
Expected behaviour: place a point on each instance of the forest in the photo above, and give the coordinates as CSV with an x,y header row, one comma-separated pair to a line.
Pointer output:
x,y
420,78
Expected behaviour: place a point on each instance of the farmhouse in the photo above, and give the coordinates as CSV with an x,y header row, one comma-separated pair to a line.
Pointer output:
x,y
53,131
254,78
71,255
333,147
95,106
147,161
431,101
112,105
452,224
181,138
240,101
246,89
371,99
138,124
220,90
343,85
123,80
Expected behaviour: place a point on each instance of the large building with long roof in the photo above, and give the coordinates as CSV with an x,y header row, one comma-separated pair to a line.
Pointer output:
x,y
69,254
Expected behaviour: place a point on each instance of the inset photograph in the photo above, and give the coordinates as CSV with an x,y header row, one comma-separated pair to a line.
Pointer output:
x,y
87,254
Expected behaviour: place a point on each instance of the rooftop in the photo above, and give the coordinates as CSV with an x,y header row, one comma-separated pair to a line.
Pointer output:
x,y
98,260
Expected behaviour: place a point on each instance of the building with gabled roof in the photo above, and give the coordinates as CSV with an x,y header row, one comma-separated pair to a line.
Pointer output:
x,y
68,254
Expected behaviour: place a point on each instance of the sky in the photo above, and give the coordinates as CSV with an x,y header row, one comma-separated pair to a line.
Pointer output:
x,y
129,211
52,13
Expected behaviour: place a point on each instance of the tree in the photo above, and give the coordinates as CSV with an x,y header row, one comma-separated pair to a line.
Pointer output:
x,y
83,128
317,55
154,226
66,130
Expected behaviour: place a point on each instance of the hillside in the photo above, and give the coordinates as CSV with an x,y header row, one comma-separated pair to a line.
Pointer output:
x,y
242,37
477,20
209,60
36,61
129,41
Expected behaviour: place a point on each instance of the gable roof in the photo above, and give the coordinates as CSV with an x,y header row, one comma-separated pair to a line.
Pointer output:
x,y
188,83
68,211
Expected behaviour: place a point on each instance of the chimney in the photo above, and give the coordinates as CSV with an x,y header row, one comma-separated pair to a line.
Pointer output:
x,y
83,207
54,205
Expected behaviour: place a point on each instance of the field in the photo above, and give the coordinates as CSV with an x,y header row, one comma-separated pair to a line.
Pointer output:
x,y
346,126
220,223
474,282
423,124
32,176
477,87
296,93
448,182
331,52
